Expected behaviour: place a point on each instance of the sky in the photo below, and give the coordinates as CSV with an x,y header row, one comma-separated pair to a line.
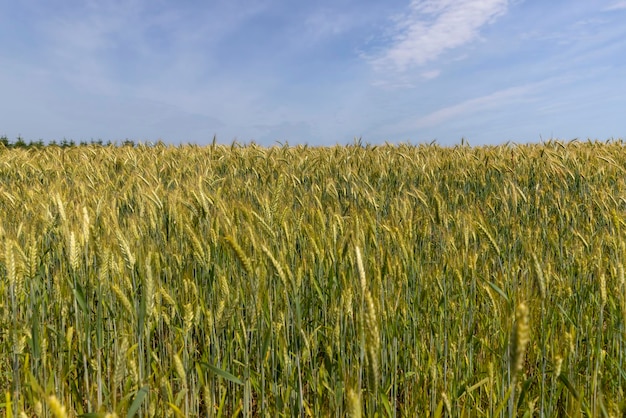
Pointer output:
x,y
321,72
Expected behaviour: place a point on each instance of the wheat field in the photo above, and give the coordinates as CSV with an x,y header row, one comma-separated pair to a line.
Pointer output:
x,y
359,280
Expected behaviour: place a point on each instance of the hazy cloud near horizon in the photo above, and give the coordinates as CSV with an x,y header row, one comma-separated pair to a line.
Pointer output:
x,y
490,71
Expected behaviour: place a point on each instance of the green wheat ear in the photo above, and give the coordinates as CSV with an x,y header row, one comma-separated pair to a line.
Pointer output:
x,y
354,404
58,410
519,339
241,256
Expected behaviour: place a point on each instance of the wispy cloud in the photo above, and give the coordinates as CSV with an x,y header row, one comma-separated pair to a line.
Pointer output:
x,y
462,112
325,23
618,5
431,27
474,105
119,45
430,74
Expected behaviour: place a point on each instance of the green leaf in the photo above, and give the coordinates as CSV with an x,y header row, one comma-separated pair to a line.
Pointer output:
x,y
569,386
8,405
439,411
504,401
386,404
139,397
79,294
222,373
497,289
177,410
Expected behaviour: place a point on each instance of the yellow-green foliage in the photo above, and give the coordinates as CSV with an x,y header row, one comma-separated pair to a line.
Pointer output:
x,y
243,280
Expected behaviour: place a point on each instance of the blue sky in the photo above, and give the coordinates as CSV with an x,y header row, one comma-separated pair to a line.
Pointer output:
x,y
321,72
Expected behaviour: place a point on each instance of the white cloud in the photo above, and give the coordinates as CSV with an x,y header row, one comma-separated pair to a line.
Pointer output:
x,y
429,75
442,119
473,105
115,47
431,27
618,5
290,132
324,23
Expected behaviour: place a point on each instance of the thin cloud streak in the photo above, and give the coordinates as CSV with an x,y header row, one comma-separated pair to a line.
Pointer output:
x,y
474,105
619,5
432,27
460,112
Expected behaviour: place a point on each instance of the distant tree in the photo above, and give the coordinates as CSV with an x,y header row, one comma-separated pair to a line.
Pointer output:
x,y
20,143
